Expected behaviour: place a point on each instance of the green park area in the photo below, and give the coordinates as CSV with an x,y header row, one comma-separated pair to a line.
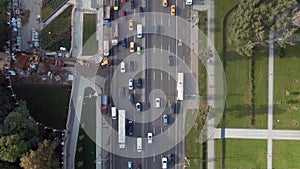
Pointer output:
x,y
285,154
86,147
246,78
49,6
241,154
48,104
89,42
287,89
58,32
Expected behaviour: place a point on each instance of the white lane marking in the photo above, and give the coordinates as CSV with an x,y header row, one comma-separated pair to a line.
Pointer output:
x,y
153,158
161,130
153,75
169,48
161,49
161,76
154,130
169,21
169,77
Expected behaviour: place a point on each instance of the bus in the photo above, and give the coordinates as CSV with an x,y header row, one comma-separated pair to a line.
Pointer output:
x,y
121,129
139,30
180,81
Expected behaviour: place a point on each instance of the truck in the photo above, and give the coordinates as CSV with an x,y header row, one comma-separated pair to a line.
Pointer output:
x,y
180,82
114,41
121,129
104,105
106,48
107,13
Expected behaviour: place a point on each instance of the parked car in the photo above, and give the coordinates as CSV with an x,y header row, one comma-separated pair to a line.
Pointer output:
x,y
157,102
124,44
171,158
139,50
123,14
149,137
129,164
122,67
141,10
172,60
138,107
173,10
123,0
130,84
131,47
157,29
166,119
131,23
164,162
139,83
130,128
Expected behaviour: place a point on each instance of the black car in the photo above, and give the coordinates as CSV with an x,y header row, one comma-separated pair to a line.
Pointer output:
x,y
171,159
132,4
141,10
131,98
139,83
130,128
124,43
172,60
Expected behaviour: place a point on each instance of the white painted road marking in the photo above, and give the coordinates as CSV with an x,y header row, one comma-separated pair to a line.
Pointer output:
x,y
161,49
154,76
154,130
169,48
161,76
161,130
169,77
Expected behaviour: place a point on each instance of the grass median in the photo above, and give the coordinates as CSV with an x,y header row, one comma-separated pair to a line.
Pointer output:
x,y
86,146
89,42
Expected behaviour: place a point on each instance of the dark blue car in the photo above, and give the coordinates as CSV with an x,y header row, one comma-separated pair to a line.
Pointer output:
x,y
124,43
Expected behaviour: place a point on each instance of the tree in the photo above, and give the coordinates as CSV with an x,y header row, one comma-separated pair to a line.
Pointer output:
x,y
12,147
42,158
253,20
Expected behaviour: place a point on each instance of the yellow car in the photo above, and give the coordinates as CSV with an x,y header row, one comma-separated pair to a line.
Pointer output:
x,y
131,47
131,23
116,5
165,3
173,10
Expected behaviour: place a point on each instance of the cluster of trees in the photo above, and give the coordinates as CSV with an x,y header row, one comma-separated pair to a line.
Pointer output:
x,y
254,20
21,139
4,31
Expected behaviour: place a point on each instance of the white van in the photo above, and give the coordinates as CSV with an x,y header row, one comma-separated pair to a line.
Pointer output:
x,y
139,30
114,113
139,144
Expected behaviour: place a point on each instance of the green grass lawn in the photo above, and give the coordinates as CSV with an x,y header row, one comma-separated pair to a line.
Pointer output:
x,y
86,147
287,89
241,154
89,42
58,32
48,104
286,154
49,6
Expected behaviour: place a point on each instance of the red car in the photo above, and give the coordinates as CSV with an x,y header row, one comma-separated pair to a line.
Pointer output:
x,y
123,14
123,0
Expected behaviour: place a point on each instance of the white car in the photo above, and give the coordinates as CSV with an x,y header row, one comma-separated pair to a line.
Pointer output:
x,y
130,84
122,67
149,137
138,107
129,165
157,102
164,163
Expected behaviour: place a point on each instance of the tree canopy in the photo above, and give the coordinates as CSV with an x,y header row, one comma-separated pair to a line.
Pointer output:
x,y
42,158
253,20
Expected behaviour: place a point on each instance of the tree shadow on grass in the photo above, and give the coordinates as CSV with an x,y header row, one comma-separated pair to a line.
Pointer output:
x,y
260,110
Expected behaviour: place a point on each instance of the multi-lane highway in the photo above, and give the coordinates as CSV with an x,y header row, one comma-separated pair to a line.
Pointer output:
x,y
157,82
